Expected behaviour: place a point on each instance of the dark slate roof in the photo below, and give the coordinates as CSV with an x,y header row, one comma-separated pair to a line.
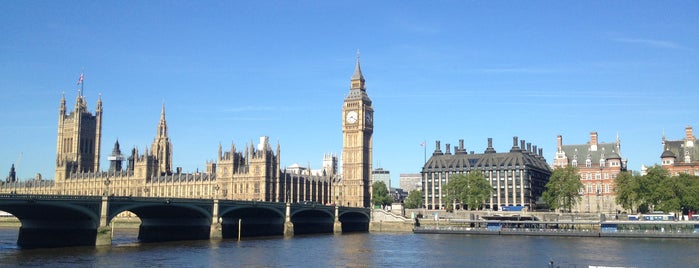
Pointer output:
x,y
488,160
667,153
358,94
679,150
582,151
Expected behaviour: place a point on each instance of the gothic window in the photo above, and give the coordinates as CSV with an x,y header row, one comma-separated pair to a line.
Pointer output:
x,y
588,162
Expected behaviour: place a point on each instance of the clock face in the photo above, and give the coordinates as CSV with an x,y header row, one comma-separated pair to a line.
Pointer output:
x,y
351,117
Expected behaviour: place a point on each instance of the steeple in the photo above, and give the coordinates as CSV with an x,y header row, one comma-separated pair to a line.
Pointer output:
x,y
357,77
62,109
162,126
162,148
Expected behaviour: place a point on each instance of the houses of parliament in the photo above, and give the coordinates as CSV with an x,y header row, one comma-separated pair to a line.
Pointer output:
x,y
250,172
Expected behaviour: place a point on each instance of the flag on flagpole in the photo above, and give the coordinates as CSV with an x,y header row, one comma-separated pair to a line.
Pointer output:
x,y
80,80
422,144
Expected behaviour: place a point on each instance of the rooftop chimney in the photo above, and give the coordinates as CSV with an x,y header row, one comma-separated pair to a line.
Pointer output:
x,y
559,142
490,146
689,133
593,141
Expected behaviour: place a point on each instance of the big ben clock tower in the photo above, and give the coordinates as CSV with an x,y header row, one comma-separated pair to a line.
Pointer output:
x,y
354,190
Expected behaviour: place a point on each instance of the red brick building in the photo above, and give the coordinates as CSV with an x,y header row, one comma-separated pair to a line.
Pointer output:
x,y
598,166
681,156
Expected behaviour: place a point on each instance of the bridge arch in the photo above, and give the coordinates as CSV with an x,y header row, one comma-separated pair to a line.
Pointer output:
x,y
251,221
354,221
54,221
313,220
166,219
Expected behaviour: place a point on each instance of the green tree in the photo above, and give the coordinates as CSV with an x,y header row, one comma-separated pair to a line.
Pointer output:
x,y
657,190
380,194
453,191
478,190
627,190
688,187
414,199
471,189
562,190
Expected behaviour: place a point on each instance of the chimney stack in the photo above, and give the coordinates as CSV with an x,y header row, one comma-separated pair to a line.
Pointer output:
x,y
559,143
689,133
593,141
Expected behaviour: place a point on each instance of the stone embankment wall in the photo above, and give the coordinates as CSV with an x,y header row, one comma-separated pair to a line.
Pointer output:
x,y
384,221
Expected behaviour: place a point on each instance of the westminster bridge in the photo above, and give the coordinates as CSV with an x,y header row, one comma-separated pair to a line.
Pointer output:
x,y
65,220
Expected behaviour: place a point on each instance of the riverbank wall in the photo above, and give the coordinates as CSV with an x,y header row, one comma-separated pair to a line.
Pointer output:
x,y
565,233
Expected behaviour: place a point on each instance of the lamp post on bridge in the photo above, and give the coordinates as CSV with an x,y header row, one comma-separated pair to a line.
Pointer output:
x,y
216,187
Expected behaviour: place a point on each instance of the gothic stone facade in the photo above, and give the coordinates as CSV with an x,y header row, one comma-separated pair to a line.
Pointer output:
x,y
253,174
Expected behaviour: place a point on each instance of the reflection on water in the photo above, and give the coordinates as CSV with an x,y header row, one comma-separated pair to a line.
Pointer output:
x,y
362,250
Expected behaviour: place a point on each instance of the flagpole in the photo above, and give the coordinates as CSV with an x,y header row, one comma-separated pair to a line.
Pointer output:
x,y
82,82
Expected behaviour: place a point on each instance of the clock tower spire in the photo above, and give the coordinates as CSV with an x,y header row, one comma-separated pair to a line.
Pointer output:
x,y
357,129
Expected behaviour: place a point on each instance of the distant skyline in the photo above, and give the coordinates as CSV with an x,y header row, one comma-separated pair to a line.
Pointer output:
x,y
232,71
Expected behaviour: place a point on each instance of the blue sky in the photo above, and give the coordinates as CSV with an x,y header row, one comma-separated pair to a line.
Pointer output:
x,y
231,71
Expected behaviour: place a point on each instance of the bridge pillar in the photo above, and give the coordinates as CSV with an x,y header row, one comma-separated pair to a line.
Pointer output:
x,y
104,231
337,225
288,225
216,228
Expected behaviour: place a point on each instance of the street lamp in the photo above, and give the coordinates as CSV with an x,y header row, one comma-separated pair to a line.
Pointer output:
x,y
216,187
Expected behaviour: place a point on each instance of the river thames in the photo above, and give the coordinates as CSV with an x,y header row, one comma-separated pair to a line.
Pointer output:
x,y
363,250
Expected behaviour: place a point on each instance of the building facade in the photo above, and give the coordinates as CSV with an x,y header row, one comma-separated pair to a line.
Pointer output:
x,y
518,177
681,156
354,189
598,165
251,174
383,175
410,181
79,138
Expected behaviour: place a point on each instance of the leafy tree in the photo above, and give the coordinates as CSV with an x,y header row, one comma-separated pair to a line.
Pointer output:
x,y
688,187
471,189
562,190
414,199
380,194
627,190
478,190
453,191
658,191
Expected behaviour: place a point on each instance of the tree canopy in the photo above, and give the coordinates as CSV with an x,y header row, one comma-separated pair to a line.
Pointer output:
x,y
380,194
657,191
562,190
471,189
414,199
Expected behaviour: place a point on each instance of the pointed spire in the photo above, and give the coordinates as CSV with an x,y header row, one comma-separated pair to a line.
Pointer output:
x,y
62,108
358,78
162,125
